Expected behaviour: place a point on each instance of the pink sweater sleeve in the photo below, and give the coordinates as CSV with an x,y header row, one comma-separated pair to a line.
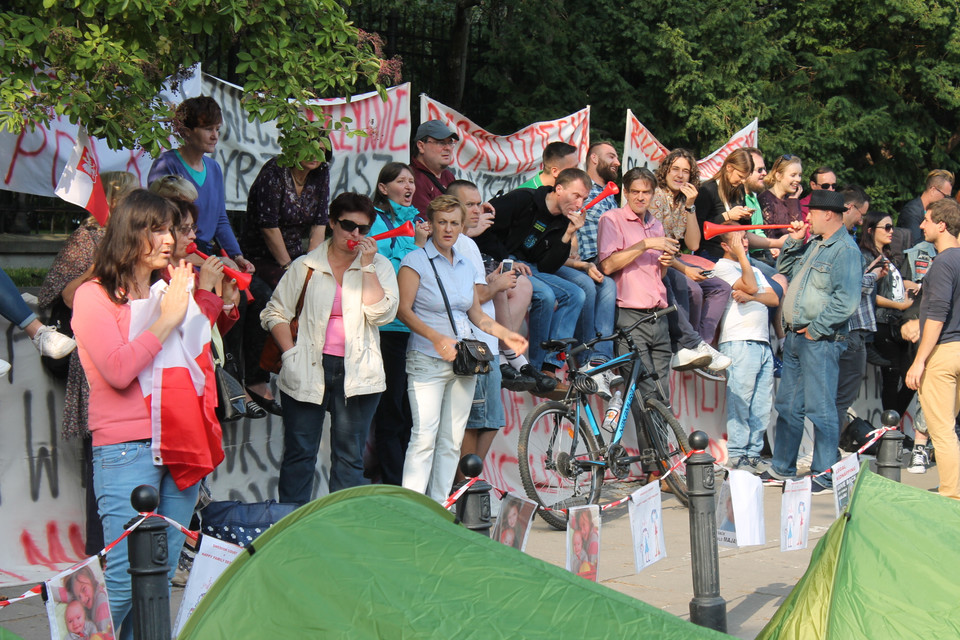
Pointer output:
x,y
96,324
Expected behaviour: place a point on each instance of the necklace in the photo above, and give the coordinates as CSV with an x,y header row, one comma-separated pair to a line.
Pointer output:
x,y
301,181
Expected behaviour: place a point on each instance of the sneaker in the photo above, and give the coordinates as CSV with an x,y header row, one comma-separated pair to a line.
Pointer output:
x,y
687,359
53,344
818,489
751,464
718,361
918,460
513,380
4,368
615,378
769,479
603,385
542,382
759,464
711,374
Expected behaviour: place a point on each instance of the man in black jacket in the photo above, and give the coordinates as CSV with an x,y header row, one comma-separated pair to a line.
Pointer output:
x,y
537,227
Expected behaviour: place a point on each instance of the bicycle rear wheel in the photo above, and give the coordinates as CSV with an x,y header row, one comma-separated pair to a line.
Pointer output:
x,y
669,440
553,454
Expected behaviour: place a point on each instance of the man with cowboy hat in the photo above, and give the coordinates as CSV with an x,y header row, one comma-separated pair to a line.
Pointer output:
x,y
825,274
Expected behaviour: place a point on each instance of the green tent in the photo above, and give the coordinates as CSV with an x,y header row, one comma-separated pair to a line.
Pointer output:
x,y
384,562
887,569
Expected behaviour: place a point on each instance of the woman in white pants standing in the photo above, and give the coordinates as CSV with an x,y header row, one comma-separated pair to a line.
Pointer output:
x,y
439,399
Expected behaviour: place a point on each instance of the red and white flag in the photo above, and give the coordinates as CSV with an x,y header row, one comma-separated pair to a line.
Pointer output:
x,y
80,181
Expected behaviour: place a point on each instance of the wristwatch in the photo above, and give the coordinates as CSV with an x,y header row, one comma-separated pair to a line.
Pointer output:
x,y
370,268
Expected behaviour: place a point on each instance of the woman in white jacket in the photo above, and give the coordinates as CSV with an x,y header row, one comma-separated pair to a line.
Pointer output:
x,y
335,364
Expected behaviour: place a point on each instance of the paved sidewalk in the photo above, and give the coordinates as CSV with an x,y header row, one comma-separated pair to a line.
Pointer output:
x,y
753,580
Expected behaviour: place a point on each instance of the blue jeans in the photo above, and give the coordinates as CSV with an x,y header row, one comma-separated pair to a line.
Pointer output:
x,y
808,388
117,470
12,306
598,313
749,396
303,426
554,312
487,409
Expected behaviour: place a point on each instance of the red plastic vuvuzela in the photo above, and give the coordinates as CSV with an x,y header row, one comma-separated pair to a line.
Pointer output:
x,y
610,190
243,279
406,229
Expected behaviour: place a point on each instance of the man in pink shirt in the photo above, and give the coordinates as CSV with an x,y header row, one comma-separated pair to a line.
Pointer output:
x,y
635,253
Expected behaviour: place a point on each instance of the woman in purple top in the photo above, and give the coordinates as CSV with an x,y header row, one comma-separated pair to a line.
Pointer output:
x,y
284,206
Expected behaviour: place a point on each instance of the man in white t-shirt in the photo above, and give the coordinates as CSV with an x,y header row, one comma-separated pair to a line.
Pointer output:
x,y
745,339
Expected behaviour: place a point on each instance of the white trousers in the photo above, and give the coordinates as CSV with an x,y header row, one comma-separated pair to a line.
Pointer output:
x,y
440,402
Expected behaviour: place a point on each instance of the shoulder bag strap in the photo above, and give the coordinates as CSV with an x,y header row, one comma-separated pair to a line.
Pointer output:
x,y
443,293
303,293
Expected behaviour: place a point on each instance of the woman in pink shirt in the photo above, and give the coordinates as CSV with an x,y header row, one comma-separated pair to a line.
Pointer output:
x,y
139,241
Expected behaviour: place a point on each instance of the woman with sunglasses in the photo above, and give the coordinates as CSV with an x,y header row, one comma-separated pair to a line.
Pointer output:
x,y
894,295
334,363
779,203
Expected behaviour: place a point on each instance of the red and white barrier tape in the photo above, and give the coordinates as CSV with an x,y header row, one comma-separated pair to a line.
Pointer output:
x,y
876,435
35,591
449,502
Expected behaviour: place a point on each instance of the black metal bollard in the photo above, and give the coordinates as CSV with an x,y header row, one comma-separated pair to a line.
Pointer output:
x,y
147,551
473,507
890,455
707,608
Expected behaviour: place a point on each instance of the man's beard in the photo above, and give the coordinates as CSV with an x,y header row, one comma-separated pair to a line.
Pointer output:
x,y
607,172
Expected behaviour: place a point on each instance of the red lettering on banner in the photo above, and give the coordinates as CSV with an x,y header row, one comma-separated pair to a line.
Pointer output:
x,y
54,178
15,576
399,122
55,554
19,150
494,470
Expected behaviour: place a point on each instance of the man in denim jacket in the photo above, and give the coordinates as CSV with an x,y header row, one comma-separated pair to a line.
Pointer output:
x,y
824,291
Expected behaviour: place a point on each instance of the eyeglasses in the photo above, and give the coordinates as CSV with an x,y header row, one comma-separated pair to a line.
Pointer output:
x,y
449,142
829,186
945,195
761,170
187,228
350,225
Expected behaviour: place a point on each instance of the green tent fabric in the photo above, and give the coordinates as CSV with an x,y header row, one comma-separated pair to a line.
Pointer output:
x,y
887,569
384,562
8,635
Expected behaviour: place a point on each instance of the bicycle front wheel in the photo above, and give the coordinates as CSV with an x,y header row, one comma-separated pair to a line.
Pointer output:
x,y
669,441
560,465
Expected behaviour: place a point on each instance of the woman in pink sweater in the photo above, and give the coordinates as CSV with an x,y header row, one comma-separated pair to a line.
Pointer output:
x,y
139,241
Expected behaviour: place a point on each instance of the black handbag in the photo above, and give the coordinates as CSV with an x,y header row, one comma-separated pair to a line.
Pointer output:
x,y
231,399
473,356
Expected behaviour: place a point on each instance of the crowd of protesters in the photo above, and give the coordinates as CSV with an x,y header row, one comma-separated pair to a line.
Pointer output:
x,y
368,330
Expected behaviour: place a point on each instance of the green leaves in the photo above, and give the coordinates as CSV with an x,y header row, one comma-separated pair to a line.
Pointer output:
x,y
103,62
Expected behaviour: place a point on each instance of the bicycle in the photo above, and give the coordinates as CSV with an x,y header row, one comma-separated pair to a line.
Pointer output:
x,y
563,457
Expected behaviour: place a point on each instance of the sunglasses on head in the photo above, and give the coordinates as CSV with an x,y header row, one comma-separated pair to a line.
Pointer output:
x,y
350,225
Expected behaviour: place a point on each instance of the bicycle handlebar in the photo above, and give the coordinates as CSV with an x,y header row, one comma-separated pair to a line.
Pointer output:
x,y
659,313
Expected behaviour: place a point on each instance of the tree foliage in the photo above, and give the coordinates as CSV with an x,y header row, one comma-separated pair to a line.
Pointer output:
x,y
869,87
102,62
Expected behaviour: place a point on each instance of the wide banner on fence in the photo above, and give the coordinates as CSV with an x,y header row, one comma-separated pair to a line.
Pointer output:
x,y
642,149
245,146
32,161
501,163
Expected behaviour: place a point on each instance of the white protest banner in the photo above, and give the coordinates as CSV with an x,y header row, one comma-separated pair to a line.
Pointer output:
x,y
794,518
501,163
844,477
245,146
642,149
648,541
33,161
213,558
